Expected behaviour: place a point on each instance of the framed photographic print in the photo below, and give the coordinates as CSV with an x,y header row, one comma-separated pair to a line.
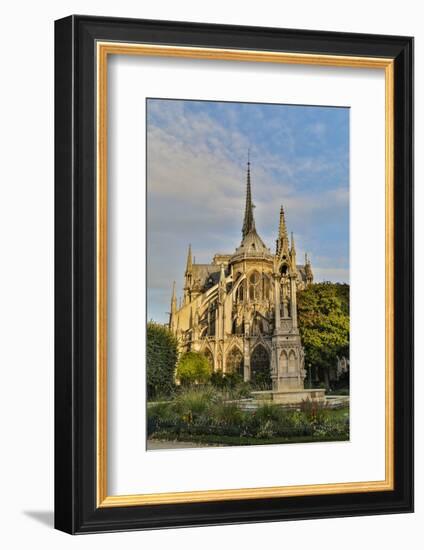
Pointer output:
x,y
234,274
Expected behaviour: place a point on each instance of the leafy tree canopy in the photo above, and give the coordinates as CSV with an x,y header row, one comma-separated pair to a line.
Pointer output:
x,y
161,360
323,311
193,368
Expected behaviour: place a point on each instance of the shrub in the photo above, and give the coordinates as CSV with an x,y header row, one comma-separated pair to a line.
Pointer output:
x,y
225,381
160,415
267,421
194,402
193,368
297,420
266,430
242,391
226,414
218,380
233,379
231,384
267,412
313,411
161,361
331,428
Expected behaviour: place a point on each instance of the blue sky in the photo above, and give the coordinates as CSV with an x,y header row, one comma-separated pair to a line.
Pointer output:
x,y
196,179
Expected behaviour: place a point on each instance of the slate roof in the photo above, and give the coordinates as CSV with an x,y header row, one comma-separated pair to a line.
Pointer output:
x,y
207,275
252,245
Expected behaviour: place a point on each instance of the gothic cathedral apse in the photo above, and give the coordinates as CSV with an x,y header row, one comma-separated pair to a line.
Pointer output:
x,y
240,310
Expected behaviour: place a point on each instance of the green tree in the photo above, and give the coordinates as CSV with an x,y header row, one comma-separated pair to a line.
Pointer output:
x,y
323,311
193,368
161,360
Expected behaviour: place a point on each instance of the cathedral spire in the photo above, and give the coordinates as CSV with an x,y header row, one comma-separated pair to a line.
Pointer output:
x,y
282,230
293,252
249,221
173,300
189,266
173,308
283,239
308,270
188,277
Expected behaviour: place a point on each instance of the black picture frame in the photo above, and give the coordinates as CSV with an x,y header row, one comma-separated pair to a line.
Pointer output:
x,y
76,510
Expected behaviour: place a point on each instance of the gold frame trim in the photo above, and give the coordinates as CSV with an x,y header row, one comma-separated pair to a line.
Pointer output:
x,y
104,49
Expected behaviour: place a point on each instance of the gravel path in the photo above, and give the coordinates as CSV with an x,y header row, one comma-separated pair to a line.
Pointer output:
x,y
155,445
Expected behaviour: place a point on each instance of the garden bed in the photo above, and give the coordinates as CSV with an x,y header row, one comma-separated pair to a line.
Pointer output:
x,y
205,415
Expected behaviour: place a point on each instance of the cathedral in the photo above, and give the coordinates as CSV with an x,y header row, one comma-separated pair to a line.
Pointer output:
x,y
241,309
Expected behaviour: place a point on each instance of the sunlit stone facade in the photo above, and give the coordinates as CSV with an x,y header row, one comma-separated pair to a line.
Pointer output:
x,y
241,309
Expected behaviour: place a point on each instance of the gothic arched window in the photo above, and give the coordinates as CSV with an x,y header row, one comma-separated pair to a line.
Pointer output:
x,y
260,367
211,319
254,286
241,291
265,287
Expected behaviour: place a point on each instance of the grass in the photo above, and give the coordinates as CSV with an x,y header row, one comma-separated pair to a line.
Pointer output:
x,y
340,391
341,413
